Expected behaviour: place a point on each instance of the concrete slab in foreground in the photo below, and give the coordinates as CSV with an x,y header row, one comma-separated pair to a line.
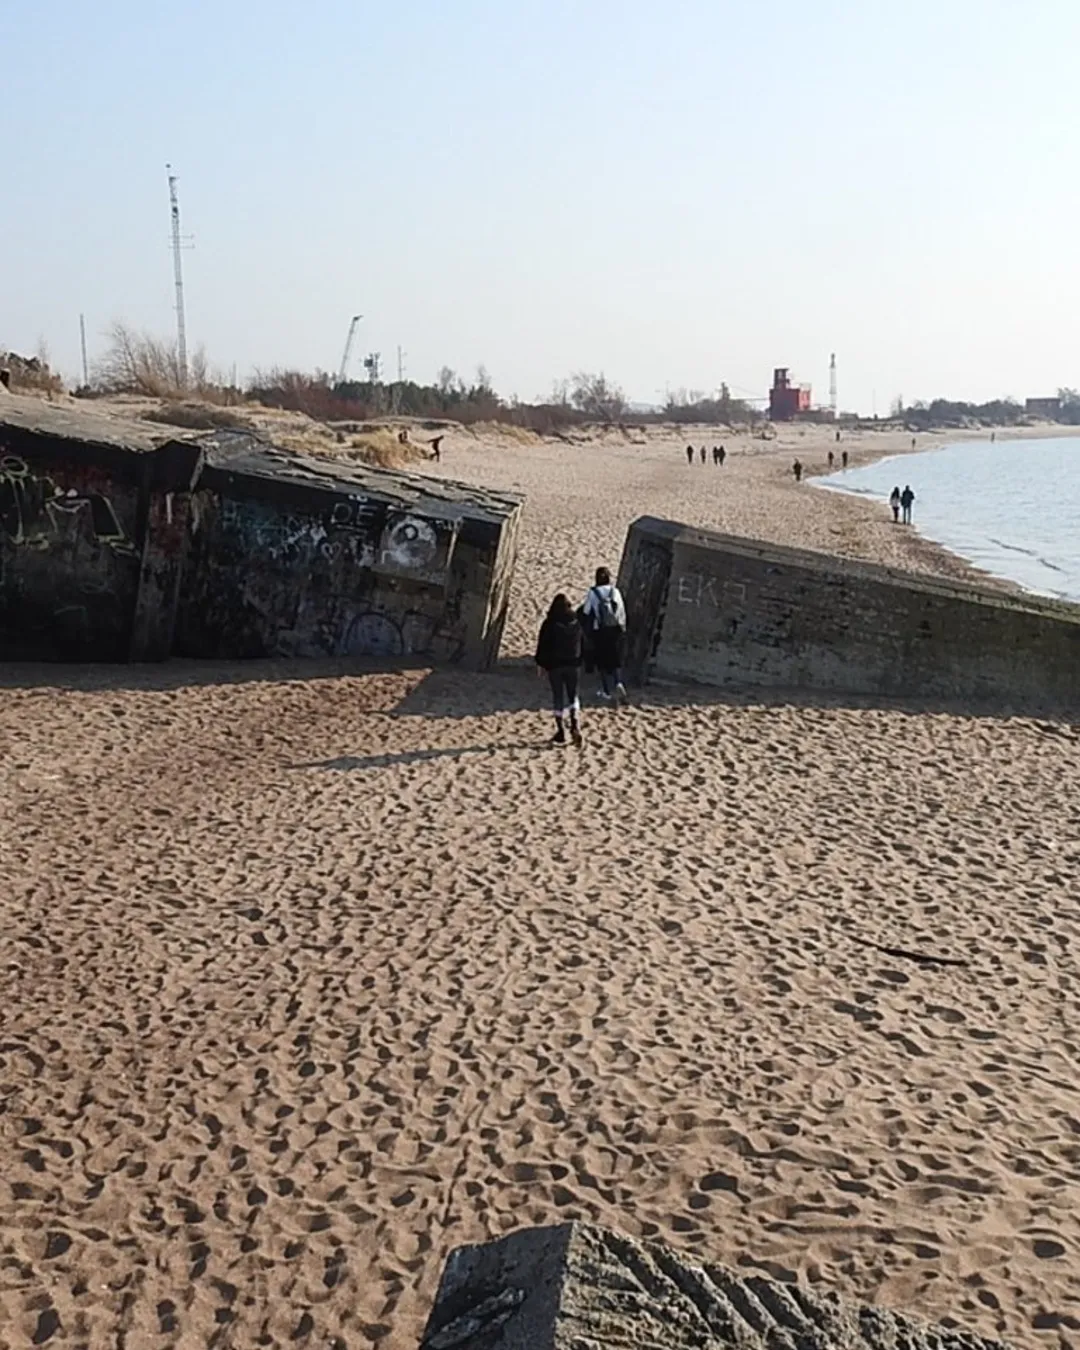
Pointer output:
x,y
575,1287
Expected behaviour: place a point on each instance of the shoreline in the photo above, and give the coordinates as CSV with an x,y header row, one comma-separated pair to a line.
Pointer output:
x,y
599,484
933,546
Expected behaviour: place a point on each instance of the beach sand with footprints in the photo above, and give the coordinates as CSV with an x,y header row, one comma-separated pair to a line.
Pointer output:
x,y
308,976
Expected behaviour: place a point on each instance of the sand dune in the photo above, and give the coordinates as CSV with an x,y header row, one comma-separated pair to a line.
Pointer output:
x,y
304,981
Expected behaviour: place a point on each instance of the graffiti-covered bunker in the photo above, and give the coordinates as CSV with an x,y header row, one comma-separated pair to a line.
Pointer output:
x,y
92,533
120,541
294,556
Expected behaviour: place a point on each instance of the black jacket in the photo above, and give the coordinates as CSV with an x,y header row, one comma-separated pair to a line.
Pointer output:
x,y
559,643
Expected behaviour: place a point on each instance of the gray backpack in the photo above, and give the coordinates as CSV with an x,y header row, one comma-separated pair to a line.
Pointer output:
x,y
607,611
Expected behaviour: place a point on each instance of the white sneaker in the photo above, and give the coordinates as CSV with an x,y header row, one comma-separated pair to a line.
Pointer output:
x,y
620,694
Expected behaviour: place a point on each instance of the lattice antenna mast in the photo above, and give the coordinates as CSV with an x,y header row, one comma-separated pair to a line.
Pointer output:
x,y
178,272
832,386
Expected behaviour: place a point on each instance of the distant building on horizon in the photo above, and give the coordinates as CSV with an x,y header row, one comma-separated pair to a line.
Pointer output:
x,y
787,400
1049,409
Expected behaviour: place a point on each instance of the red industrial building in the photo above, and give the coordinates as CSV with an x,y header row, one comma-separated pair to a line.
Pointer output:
x,y
787,400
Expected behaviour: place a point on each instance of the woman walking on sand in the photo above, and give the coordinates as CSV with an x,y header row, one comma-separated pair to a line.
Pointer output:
x,y
558,651
894,502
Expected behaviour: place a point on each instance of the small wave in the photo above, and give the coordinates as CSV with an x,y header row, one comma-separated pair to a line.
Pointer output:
x,y
1028,553
1013,548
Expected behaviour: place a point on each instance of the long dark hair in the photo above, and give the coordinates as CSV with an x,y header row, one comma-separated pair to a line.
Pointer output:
x,y
561,609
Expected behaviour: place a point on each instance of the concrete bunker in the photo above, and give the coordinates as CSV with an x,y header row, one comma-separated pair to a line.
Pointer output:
x,y
92,534
293,556
715,609
120,541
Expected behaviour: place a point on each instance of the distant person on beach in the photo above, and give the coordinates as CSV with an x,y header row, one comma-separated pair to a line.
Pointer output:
x,y
913,442
703,454
838,438
716,454
558,652
436,447
723,456
605,617
894,502
832,459
796,469
907,498
689,454
843,459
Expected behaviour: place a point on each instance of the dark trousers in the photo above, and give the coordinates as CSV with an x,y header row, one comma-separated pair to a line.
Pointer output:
x,y
564,691
608,644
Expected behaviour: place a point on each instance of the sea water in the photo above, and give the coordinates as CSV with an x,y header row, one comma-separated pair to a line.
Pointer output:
x,y
1010,507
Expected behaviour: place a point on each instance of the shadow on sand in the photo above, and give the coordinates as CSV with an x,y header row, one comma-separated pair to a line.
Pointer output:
x,y
512,686
348,763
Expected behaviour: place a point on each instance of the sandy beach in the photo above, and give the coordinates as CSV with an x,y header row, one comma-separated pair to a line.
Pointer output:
x,y
309,974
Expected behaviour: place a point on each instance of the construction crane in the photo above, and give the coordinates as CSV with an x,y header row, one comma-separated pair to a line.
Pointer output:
x,y
348,347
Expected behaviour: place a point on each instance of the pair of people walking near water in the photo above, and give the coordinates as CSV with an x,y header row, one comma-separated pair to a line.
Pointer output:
x,y
594,634
902,502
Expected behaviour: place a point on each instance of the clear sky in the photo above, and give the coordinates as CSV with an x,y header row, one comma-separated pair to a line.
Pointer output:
x,y
675,193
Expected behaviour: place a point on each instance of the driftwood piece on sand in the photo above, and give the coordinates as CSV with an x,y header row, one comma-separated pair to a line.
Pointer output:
x,y
576,1287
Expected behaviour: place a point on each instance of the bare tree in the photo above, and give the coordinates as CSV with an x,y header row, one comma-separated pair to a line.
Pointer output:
x,y
139,363
596,396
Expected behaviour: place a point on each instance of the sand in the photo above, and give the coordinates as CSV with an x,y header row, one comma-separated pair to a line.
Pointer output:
x,y
308,975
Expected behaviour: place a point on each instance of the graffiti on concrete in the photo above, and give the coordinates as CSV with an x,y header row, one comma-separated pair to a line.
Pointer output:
x,y
291,539
410,544
372,633
352,530
692,588
36,513
413,547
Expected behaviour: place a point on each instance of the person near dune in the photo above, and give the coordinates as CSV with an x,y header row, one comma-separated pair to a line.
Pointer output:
x,y
894,502
689,454
558,652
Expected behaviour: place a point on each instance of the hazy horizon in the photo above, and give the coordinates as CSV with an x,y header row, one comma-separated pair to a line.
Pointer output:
x,y
676,197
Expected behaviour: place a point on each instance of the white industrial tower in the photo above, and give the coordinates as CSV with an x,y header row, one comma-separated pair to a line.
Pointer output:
x,y
181,329
832,386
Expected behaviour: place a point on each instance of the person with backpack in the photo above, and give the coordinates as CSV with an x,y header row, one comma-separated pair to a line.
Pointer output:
x,y
605,614
558,652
